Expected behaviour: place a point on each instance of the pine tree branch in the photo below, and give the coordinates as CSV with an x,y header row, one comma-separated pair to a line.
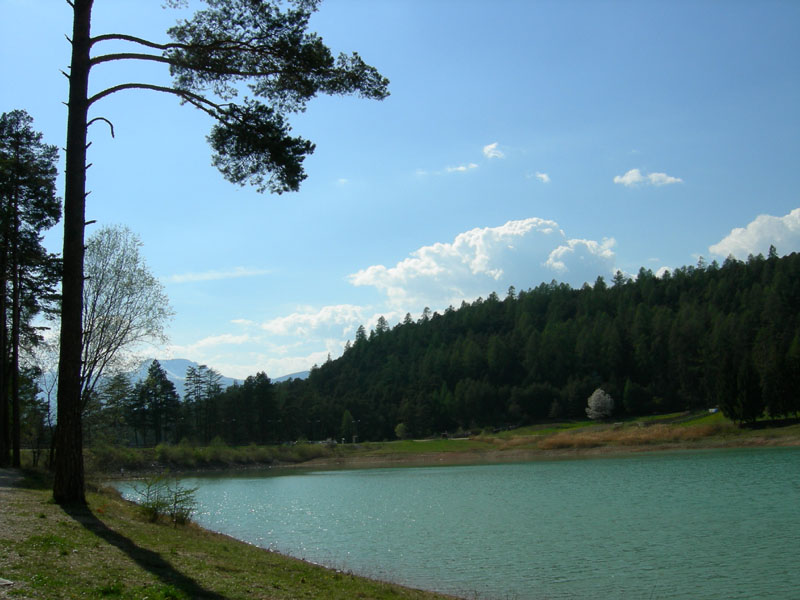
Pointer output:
x,y
180,63
137,40
130,56
204,104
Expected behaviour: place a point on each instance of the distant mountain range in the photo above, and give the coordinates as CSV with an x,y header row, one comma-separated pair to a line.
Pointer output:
x,y
298,375
176,373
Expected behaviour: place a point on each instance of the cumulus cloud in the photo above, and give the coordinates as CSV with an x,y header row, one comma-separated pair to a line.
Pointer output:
x,y
632,177
543,177
235,273
304,322
521,253
491,151
586,253
756,238
635,177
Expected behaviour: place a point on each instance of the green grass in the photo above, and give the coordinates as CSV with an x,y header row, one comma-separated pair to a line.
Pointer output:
x,y
110,551
679,429
217,455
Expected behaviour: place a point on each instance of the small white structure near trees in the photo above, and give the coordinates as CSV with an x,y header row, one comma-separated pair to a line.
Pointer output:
x,y
600,405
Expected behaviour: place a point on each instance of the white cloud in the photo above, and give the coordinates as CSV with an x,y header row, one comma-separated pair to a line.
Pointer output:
x,y
216,275
206,343
586,253
543,177
246,322
521,253
635,177
781,232
461,168
630,178
663,179
491,151
344,316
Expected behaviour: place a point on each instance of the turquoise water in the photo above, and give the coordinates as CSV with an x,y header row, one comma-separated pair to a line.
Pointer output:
x,y
713,524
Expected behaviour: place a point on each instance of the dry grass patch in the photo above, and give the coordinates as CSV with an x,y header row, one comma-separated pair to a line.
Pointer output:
x,y
631,436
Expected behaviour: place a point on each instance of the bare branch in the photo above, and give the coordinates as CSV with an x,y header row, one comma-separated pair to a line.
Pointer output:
x,y
110,124
130,56
136,40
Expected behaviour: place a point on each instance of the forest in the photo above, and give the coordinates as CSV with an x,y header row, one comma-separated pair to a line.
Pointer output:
x,y
711,336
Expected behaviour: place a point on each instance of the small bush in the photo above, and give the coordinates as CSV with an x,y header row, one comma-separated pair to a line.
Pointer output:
x,y
157,498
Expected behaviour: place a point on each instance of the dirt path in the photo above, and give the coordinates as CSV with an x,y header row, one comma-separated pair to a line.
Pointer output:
x,y
9,478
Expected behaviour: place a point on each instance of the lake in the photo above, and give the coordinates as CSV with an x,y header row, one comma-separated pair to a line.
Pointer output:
x,y
714,524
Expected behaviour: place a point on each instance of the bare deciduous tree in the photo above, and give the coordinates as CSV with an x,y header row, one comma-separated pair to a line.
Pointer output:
x,y
124,305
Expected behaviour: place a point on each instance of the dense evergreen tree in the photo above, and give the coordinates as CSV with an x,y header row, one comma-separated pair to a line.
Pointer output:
x,y
158,404
28,273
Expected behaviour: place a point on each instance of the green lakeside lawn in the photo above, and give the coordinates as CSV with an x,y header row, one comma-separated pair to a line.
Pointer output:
x,y
111,551
698,429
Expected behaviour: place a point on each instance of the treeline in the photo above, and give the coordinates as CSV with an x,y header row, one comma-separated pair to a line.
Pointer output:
x,y
708,336
724,336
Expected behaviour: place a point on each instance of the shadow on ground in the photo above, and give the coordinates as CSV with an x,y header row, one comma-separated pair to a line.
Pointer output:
x,y
150,561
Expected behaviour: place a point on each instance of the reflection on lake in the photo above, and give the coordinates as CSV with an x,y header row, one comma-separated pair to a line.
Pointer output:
x,y
711,524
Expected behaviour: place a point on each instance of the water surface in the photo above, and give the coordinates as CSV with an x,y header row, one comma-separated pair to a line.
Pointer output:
x,y
711,524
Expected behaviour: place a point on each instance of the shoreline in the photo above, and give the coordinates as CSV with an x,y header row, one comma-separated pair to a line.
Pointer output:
x,y
371,460
522,455
108,549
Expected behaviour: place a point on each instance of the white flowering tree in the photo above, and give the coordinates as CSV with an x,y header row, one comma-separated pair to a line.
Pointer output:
x,y
600,405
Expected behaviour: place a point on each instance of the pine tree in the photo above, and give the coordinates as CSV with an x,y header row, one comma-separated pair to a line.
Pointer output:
x,y
230,44
28,274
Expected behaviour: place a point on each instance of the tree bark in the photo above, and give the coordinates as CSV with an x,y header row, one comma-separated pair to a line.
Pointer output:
x,y
68,485
5,421
16,309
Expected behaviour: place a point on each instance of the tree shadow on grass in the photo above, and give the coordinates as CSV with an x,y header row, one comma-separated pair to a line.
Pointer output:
x,y
150,561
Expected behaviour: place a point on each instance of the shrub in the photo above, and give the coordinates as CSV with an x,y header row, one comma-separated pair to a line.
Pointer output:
x,y
600,405
157,497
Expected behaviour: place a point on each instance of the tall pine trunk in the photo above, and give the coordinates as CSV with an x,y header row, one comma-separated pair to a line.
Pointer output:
x,y
16,310
68,485
5,421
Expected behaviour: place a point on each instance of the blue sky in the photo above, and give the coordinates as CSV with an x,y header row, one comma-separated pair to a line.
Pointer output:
x,y
522,142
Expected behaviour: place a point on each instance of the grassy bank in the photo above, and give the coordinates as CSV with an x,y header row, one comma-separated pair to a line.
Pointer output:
x,y
662,432
111,551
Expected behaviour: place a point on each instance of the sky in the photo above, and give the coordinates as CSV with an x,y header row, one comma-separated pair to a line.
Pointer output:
x,y
523,142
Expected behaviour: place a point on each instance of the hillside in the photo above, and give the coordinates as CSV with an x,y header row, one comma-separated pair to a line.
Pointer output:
x,y
711,336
